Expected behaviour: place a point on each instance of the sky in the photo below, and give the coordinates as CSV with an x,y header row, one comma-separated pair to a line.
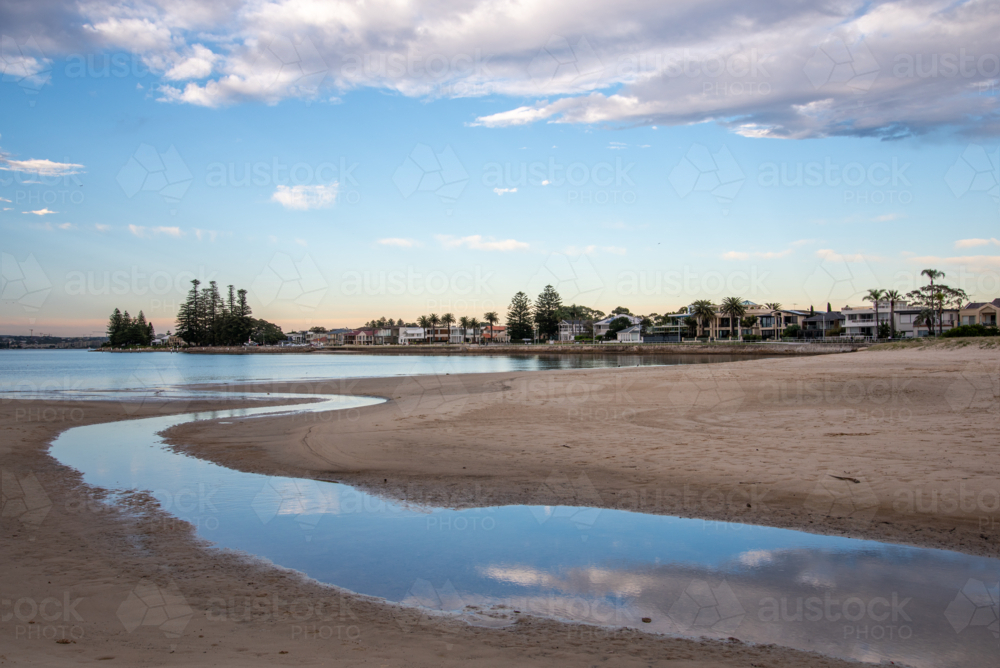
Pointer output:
x,y
345,161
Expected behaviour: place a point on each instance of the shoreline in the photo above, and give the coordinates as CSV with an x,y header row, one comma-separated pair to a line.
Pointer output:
x,y
670,440
646,349
666,440
232,609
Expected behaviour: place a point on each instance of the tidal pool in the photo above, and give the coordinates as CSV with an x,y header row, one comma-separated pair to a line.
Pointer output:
x,y
842,597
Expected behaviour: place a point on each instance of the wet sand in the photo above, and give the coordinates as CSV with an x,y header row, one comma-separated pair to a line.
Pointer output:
x,y
858,444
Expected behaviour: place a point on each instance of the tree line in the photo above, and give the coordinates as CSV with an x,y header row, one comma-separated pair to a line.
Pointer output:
x,y
207,318
124,330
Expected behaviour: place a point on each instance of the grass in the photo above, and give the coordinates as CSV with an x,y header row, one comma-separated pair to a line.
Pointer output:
x,y
981,342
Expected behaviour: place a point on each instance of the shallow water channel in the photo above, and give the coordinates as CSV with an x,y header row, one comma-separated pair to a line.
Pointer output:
x,y
609,568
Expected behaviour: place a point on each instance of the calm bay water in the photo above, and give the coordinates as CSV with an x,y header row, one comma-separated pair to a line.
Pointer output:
x,y
55,370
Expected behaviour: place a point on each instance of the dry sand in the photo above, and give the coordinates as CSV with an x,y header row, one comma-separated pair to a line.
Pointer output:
x,y
776,442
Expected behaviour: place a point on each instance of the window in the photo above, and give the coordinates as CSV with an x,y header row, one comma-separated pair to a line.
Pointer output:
x,y
906,319
968,320
724,322
791,319
767,321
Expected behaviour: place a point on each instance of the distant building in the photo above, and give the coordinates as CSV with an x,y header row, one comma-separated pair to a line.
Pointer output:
x,y
570,329
981,313
495,334
601,326
818,326
631,334
404,336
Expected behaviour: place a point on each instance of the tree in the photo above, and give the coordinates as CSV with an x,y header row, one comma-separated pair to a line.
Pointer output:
x,y
893,296
691,323
704,312
932,274
934,297
115,328
463,323
875,295
748,322
474,325
266,333
519,317
774,306
447,319
188,316
734,309
546,314
884,331
492,318
791,332
615,326
926,317
433,320
956,298
621,310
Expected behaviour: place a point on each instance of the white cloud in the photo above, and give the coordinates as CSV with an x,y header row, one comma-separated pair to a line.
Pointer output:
x,y
759,68
502,191
574,251
149,232
40,167
397,242
477,242
207,235
198,65
102,228
975,261
972,243
833,256
50,227
3,199
763,255
304,198
41,212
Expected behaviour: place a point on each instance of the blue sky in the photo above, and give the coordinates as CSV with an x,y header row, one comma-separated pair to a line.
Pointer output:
x,y
395,196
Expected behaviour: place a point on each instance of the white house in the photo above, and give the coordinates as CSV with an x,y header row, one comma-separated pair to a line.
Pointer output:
x,y
407,335
860,321
632,334
601,326
570,329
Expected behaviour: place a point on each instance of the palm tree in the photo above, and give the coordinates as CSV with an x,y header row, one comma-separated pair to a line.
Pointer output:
x,y
433,319
447,319
734,309
932,274
874,296
474,324
703,311
893,296
463,323
774,306
926,317
492,318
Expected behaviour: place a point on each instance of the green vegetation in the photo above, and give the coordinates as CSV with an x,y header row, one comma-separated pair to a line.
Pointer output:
x,y
972,330
546,313
519,318
207,319
123,330
615,326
